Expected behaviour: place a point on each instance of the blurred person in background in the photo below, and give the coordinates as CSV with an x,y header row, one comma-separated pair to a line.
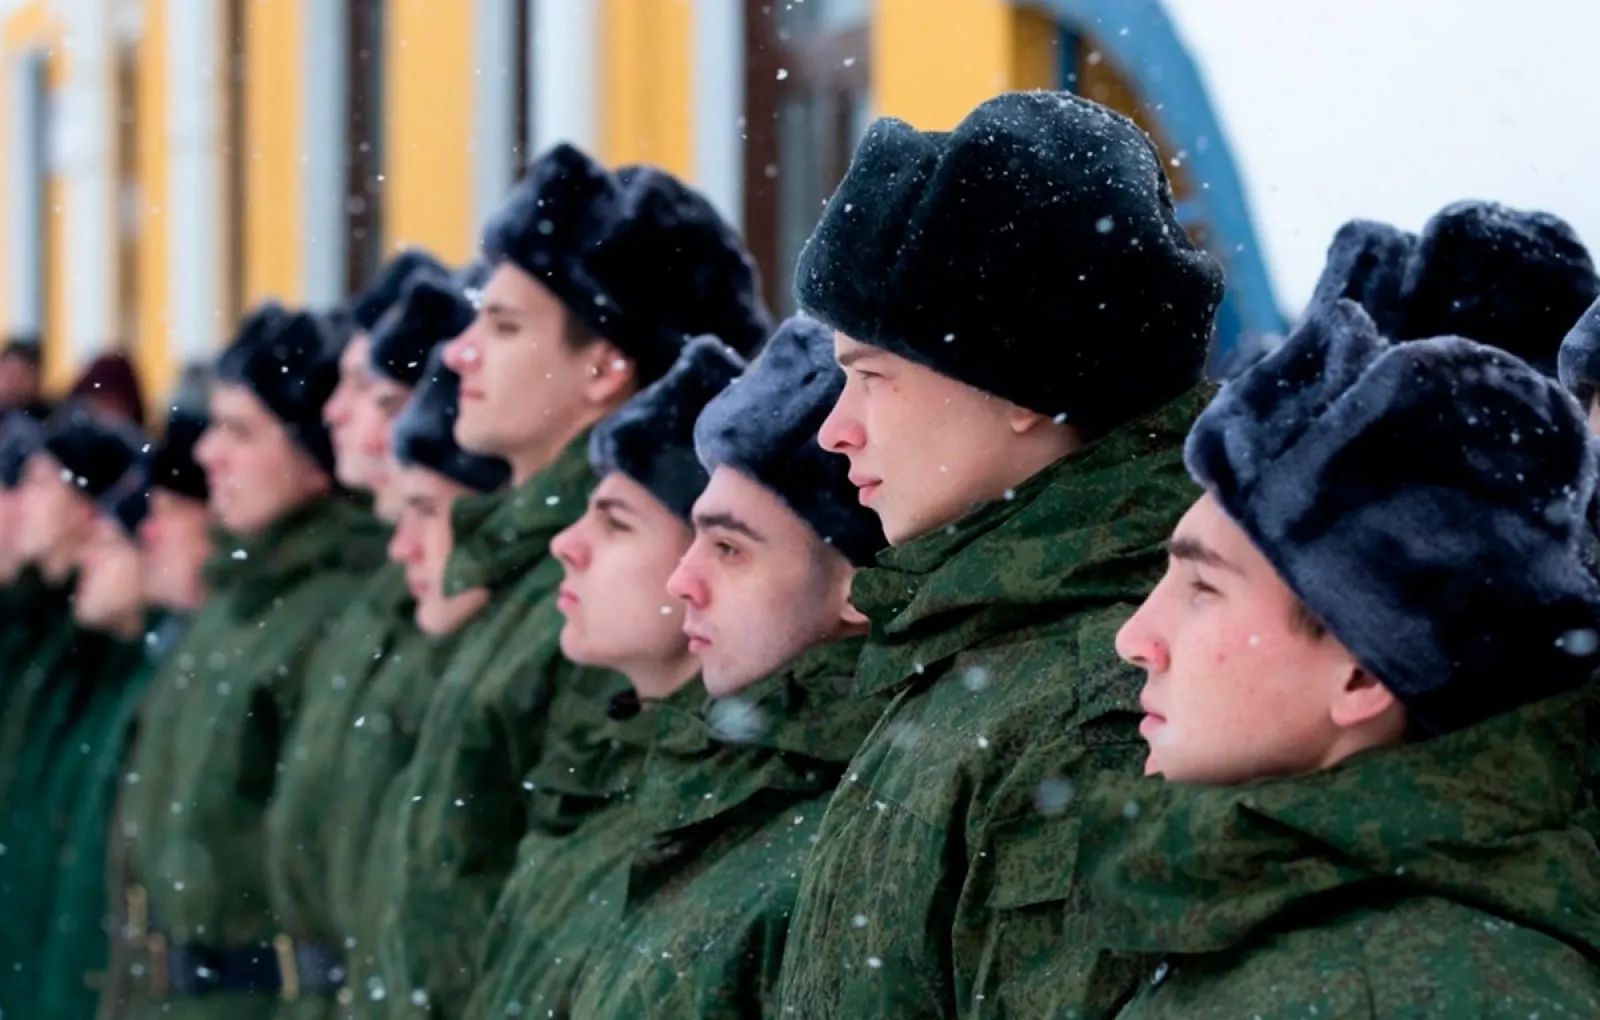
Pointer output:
x,y
110,386
21,367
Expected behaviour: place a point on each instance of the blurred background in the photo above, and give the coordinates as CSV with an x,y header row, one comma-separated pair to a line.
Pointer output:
x,y
168,163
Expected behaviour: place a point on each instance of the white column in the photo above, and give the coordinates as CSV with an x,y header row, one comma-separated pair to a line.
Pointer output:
x,y
494,104
566,76
83,151
25,222
719,126
196,63
322,169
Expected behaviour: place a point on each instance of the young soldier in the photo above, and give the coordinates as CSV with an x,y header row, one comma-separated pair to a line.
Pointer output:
x,y
1018,386
599,279
80,459
734,793
375,632
81,783
565,895
433,473
293,553
1382,616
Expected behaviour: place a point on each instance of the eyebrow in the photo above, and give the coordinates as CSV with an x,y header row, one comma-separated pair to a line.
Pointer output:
x,y
850,357
500,308
611,504
727,522
421,502
1195,551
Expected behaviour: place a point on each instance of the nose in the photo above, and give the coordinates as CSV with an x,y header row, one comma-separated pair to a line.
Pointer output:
x,y
460,354
403,548
842,431
1139,644
147,532
205,451
569,547
686,583
336,412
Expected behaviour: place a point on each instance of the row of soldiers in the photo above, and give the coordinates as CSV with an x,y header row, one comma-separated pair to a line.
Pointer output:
x,y
559,638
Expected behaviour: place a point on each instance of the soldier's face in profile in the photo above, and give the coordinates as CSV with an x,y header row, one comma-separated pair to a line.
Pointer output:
x,y
55,514
371,425
176,536
923,448
1240,683
255,471
110,576
423,542
616,561
758,586
353,467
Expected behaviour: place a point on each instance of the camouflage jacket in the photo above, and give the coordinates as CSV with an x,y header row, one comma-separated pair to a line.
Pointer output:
x,y
299,822
462,808
732,797
568,890
995,638
41,657
1442,880
32,609
221,711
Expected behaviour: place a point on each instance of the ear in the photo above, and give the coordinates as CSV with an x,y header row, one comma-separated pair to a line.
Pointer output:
x,y
609,375
1024,421
1361,699
853,619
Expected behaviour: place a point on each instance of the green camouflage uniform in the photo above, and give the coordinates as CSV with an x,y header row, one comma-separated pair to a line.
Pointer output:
x,y
1443,880
462,807
995,637
302,819
214,730
567,892
76,936
732,797
32,610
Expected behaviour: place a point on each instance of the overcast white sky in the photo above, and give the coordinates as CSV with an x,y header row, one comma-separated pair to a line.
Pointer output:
x,y
1388,109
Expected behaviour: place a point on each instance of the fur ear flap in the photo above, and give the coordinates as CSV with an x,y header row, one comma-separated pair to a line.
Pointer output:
x,y
96,451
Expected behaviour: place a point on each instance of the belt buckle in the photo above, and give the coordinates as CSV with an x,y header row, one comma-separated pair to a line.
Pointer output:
x,y
288,970
156,960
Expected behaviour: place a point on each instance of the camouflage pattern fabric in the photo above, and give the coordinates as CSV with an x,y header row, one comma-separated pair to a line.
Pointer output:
x,y
995,637
732,797
1442,880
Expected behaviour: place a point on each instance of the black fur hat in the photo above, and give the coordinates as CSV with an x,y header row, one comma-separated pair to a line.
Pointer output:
x,y
172,464
1579,362
424,434
128,501
385,288
636,256
1430,502
21,436
470,278
288,360
651,437
94,450
1367,264
765,426
1510,279
431,310
1033,253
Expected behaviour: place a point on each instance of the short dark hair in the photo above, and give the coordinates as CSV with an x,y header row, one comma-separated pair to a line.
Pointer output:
x,y
24,348
1303,621
577,334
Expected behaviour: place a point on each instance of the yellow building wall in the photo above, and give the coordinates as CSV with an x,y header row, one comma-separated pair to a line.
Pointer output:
x,y
428,127
932,63
646,100
151,356
274,205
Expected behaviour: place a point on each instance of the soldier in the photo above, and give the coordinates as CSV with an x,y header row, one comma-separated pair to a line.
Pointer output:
x,y
1022,323
432,474
598,280
733,794
566,894
175,537
375,633
293,552
1383,616
79,461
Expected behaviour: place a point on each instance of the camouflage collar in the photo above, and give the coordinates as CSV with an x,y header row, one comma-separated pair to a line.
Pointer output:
x,y
324,533
1498,817
791,733
502,535
1078,535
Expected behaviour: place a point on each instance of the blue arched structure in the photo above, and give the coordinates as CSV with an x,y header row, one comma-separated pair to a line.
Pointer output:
x,y
1140,39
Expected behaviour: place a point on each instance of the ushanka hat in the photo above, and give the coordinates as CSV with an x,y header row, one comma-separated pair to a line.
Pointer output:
x,y
424,433
94,451
291,363
172,465
385,289
20,438
1367,264
765,427
1431,502
651,437
430,311
636,256
1032,253
128,501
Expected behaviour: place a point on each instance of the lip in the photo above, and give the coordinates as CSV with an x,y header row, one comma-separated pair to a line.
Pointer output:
x,y
698,642
866,488
470,394
417,586
566,599
1150,723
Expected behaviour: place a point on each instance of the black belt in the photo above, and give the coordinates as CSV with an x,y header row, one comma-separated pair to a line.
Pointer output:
x,y
285,968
